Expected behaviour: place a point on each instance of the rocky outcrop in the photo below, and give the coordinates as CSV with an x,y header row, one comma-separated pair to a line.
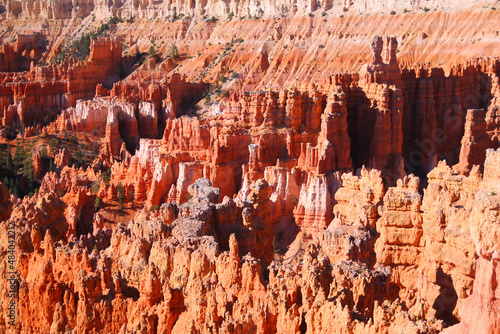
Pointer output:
x,y
240,183
359,198
400,226
351,234
175,277
157,101
314,209
400,243
148,120
48,89
426,259
39,10
61,158
476,311
449,258
22,50
474,142
333,149
8,59
66,9
5,203
492,113
112,134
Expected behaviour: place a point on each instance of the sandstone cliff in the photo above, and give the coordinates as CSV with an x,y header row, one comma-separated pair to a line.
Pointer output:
x,y
65,9
236,167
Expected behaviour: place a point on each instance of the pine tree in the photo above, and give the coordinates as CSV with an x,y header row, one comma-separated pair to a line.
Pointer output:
x,y
131,194
121,194
95,151
43,152
18,153
152,51
30,173
52,145
174,53
97,203
9,159
16,187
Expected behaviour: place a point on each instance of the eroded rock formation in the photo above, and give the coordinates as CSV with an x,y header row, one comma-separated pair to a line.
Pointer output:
x,y
227,175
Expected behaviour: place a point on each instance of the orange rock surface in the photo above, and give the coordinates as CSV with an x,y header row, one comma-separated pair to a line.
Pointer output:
x,y
242,167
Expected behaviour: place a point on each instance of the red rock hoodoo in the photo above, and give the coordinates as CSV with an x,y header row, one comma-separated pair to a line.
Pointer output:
x,y
243,167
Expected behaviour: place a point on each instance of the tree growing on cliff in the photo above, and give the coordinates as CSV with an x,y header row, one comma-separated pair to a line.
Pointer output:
x,y
95,186
152,51
95,150
80,156
175,17
53,145
29,171
8,183
106,176
174,53
207,99
9,159
97,204
80,48
19,155
131,195
121,195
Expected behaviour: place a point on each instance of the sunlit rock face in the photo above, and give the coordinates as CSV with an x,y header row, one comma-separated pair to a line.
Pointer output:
x,y
250,167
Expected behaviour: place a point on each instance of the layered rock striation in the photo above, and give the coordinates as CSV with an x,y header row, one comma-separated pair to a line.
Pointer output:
x,y
233,187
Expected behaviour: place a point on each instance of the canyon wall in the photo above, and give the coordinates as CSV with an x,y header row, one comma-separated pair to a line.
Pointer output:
x,y
186,263
65,9
28,97
228,175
